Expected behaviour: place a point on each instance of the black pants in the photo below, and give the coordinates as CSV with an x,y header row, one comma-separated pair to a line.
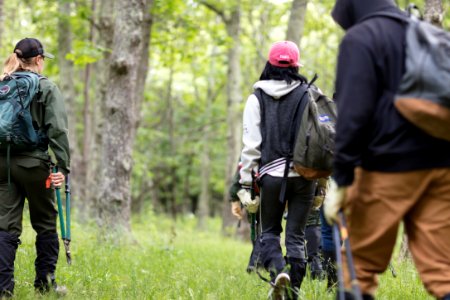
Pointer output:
x,y
28,176
299,196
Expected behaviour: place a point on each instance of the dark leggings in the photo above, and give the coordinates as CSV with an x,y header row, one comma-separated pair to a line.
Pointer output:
x,y
299,196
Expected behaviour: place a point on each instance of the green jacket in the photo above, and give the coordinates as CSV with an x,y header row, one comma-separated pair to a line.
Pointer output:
x,y
49,112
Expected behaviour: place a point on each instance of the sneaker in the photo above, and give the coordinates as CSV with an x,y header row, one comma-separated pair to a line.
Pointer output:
x,y
60,290
279,289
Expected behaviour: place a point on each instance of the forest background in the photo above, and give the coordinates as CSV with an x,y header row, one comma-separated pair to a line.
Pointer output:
x,y
155,91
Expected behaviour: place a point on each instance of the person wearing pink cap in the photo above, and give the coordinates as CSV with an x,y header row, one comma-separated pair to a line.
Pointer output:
x,y
270,123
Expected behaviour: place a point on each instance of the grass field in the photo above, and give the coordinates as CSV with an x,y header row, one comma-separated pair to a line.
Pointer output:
x,y
173,261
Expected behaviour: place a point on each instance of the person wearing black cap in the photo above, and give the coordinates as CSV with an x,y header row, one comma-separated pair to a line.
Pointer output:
x,y
29,170
268,117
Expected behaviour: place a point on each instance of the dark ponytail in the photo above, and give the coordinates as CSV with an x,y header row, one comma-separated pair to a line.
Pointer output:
x,y
288,74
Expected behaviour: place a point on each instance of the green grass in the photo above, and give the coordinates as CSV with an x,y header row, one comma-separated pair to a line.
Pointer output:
x,y
172,261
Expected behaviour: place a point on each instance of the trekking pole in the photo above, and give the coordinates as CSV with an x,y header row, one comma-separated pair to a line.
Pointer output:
x,y
339,266
348,254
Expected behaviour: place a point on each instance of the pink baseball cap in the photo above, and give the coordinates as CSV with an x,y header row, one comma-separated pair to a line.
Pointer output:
x,y
284,54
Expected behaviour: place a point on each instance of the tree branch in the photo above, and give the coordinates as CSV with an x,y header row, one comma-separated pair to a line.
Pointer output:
x,y
215,9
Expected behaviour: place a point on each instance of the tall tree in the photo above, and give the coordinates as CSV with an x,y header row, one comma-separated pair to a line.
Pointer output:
x,y
103,20
66,71
296,21
232,20
88,134
120,115
205,168
434,12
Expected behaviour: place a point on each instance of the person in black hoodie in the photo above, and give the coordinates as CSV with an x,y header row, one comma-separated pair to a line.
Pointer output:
x,y
386,170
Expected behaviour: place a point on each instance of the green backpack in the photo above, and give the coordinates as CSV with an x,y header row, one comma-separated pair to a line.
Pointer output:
x,y
314,144
16,126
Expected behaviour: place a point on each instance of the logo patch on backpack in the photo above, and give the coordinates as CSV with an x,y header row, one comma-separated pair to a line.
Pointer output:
x,y
324,118
4,90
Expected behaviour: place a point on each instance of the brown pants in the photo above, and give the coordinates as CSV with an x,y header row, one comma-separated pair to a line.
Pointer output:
x,y
376,204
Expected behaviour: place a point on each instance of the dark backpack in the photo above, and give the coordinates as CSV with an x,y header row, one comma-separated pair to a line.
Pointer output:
x,y
423,97
16,126
314,144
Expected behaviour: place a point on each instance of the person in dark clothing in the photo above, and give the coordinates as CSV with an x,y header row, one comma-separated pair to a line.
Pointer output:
x,y
267,148
235,187
385,168
29,171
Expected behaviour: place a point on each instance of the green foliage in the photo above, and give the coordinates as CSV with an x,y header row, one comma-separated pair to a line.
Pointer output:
x,y
84,53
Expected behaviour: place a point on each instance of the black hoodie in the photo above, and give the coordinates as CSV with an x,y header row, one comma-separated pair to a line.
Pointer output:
x,y
370,131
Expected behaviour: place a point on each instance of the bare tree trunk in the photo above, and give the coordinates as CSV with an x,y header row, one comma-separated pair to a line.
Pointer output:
x,y
296,21
205,194
88,135
434,12
120,117
104,24
234,100
68,87
234,113
172,197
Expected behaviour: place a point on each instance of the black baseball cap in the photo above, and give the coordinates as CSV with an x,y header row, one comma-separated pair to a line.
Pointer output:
x,y
30,47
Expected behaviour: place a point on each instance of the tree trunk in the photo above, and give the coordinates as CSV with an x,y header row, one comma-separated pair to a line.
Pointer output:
x,y
234,113
434,12
104,25
120,117
296,21
171,193
67,87
205,194
84,199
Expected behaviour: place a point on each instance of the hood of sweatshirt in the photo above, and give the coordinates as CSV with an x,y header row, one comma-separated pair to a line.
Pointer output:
x,y
350,12
276,88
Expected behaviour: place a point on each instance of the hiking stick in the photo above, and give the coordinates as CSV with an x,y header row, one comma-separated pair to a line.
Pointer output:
x,y
348,254
337,245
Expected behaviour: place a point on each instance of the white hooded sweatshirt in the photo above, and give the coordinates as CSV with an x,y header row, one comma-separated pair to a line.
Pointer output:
x,y
251,153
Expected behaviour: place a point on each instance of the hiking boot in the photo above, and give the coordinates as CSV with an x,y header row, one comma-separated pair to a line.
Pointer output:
x,y
59,290
316,269
280,288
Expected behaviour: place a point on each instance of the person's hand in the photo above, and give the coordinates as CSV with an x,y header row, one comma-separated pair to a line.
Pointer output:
x,y
236,209
334,201
246,200
57,179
